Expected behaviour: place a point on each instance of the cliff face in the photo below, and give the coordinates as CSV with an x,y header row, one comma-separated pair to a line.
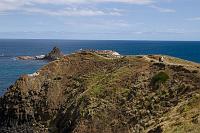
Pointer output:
x,y
86,92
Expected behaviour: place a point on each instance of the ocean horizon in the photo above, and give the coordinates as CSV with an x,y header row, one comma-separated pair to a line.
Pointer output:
x,y
11,69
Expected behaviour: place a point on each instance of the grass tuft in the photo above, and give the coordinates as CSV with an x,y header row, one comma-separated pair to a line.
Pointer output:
x,y
159,78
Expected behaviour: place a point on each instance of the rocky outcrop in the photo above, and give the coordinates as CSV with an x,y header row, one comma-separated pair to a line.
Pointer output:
x,y
25,58
85,93
53,55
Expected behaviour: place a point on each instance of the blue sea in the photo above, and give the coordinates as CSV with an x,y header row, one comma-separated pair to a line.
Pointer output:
x,y
11,69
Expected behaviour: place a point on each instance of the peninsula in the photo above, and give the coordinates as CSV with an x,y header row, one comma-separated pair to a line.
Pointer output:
x,y
87,92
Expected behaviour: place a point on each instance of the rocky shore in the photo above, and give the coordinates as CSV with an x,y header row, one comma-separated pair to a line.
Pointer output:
x,y
53,55
57,54
87,92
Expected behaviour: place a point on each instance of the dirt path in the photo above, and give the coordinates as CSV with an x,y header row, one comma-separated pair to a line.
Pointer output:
x,y
165,62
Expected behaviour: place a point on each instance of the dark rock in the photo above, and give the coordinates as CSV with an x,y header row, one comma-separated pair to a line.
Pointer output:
x,y
54,54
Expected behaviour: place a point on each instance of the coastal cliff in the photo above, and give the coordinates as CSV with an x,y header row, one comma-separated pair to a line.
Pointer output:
x,y
86,92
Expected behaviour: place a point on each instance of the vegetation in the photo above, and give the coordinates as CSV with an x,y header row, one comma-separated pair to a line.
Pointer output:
x,y
159,78
86,93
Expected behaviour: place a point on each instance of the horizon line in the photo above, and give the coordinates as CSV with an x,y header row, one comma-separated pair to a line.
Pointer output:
x,y
98,39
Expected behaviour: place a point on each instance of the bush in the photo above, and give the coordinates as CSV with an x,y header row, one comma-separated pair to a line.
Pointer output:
x,y
159,78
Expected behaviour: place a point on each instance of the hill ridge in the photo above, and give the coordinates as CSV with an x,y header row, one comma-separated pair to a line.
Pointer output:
x,y
84,92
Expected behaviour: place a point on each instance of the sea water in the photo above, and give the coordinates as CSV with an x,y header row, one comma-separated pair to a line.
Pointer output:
x,y
11,69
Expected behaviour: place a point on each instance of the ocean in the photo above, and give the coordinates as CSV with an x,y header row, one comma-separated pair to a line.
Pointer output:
x,y
11,69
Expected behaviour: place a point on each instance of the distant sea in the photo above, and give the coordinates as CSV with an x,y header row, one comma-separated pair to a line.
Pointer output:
x,y
11,69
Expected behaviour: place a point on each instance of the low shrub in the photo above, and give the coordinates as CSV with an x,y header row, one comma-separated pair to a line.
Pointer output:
x,y
159,78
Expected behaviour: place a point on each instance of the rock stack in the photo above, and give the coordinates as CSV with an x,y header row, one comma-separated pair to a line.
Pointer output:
x,y
54,54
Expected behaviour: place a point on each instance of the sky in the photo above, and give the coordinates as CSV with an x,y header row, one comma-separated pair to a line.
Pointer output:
x,y
100,19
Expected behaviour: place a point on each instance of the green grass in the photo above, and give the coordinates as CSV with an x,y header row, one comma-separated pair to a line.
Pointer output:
x,y
96,90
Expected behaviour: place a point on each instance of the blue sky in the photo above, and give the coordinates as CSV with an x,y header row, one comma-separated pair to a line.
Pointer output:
x,y
100,19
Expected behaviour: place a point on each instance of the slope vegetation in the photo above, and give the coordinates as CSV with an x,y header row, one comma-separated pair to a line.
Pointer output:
x,y
86,93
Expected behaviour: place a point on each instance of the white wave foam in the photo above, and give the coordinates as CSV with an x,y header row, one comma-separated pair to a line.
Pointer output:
x,y
14,58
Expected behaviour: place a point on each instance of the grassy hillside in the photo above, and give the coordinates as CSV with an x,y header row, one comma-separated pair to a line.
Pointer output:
x,y
86,92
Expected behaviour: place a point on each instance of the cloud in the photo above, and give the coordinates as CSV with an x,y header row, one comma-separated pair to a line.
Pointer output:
x,y
175,31
99,24
14,4
194,19
7,5
92,1
72,12
165,10
32,6
38,6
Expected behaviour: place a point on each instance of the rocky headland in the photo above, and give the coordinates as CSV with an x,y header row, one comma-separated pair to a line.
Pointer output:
x,y
88,92
56,54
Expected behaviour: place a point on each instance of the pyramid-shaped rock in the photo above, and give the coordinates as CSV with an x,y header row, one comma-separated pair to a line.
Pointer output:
x,y
54,54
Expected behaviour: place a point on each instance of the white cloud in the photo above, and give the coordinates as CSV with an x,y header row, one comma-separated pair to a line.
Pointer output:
x,y
176,31
99,24
92,1
31,6
6,5
37,6
13,4
72,12
165,10
194,19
